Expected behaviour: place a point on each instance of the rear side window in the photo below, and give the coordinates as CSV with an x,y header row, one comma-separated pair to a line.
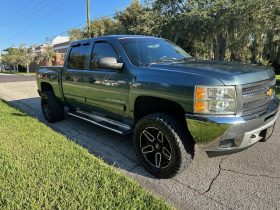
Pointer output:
x,y
78,56
100,50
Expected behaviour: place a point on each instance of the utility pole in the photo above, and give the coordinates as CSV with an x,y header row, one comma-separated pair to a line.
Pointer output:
x,y
88,18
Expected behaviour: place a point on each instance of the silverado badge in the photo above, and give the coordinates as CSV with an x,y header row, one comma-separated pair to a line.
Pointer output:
x,y
269,92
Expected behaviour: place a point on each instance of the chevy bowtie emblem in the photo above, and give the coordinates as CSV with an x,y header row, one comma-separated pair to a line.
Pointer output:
x,y
269,92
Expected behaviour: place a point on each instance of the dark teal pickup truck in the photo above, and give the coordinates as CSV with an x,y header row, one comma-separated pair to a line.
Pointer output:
x,y
169,100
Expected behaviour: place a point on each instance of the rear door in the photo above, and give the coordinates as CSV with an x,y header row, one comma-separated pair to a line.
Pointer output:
x,y
74,72
107,90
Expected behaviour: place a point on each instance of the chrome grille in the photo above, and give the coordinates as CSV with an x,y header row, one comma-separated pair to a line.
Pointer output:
x,y
255,103
255,98
259,87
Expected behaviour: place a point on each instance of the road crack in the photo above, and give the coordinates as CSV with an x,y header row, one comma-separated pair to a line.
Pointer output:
x,y
252,175
202,194
218,174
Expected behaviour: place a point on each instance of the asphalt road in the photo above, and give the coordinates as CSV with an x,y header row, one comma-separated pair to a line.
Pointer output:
x,y
246,180
15,78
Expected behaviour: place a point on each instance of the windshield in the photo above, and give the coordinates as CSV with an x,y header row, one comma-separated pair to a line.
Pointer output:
x,y
145,51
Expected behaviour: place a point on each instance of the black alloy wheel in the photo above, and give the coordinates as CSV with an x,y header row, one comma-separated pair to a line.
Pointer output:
x,y
163,145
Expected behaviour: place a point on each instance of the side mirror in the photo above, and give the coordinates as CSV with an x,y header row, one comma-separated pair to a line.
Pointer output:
x,y
109,63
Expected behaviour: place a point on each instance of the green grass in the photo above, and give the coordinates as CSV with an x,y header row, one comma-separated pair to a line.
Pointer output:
x,y
41,169
278,85
17,73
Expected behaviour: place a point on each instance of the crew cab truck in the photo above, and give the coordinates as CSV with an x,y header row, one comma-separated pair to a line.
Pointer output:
x,y
169,100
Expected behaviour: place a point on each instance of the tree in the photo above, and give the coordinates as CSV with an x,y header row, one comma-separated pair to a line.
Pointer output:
x,y
16,56
104,26
136,19
26,56
47,55
7,59
99,27
77,34
12,58
242,30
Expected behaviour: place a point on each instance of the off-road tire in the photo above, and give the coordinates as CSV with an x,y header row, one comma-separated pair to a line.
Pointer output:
x,y
52,109
176,136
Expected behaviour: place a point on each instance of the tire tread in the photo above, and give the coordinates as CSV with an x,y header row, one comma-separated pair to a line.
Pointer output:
x,y
56,107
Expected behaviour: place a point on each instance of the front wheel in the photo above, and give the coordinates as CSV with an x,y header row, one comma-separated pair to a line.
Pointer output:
x,y
52,109
162,145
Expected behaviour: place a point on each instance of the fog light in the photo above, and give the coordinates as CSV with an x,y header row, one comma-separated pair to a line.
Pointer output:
x,y
253,136
227,143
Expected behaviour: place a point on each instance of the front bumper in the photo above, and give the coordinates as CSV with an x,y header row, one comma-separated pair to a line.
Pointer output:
x,y
220,135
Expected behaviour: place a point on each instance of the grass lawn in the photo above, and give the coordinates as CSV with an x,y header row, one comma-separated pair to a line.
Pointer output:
x,y
41,169
17,73
278,85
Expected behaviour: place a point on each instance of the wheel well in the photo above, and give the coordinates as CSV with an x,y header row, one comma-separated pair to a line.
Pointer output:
x,y
145,105
46,87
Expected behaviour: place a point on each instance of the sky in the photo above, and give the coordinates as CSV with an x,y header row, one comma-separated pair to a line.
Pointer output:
x,y
32,21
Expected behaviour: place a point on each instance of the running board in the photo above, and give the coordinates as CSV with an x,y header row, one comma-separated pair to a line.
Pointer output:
x,y
103,122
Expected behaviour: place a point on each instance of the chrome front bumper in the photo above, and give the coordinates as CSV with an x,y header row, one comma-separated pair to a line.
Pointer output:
x,y
220,135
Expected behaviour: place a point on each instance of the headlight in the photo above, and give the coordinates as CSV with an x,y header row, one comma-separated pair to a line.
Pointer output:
x,y
215,100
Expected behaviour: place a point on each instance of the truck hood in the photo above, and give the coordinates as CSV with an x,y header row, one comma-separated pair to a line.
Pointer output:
x,y
230,73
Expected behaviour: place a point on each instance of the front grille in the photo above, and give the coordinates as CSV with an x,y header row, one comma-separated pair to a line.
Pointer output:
x,y
255,103
255,98
259,87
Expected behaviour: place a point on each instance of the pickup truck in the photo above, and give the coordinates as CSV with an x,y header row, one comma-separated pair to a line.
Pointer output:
x,y
169,100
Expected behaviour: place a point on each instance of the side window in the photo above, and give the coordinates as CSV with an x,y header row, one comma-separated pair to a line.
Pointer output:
x,y
78,56
100,50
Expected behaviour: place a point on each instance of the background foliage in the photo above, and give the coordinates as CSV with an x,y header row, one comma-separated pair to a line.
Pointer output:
x,y
241,30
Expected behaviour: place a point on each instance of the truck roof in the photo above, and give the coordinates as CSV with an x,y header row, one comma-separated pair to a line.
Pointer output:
x,y
116,37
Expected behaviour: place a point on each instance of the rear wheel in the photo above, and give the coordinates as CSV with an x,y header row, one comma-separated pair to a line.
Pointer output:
x,y
162,145
52,109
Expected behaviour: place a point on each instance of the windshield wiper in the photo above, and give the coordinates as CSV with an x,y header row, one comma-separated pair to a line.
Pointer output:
x,y
185,59
167,59
164,59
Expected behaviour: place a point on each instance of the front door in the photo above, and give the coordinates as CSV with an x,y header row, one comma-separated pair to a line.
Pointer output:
x,y
107,90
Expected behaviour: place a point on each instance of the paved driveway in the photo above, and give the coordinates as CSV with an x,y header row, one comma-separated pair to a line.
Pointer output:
x,y
246,180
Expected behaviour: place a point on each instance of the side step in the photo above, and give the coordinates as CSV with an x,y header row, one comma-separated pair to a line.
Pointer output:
x,y
103,122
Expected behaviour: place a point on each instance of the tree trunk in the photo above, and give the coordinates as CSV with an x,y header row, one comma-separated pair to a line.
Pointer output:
x,y
276,62
176,37
27,68
215,49
268,45
223,48
278,55
254,50
233,56
220,46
